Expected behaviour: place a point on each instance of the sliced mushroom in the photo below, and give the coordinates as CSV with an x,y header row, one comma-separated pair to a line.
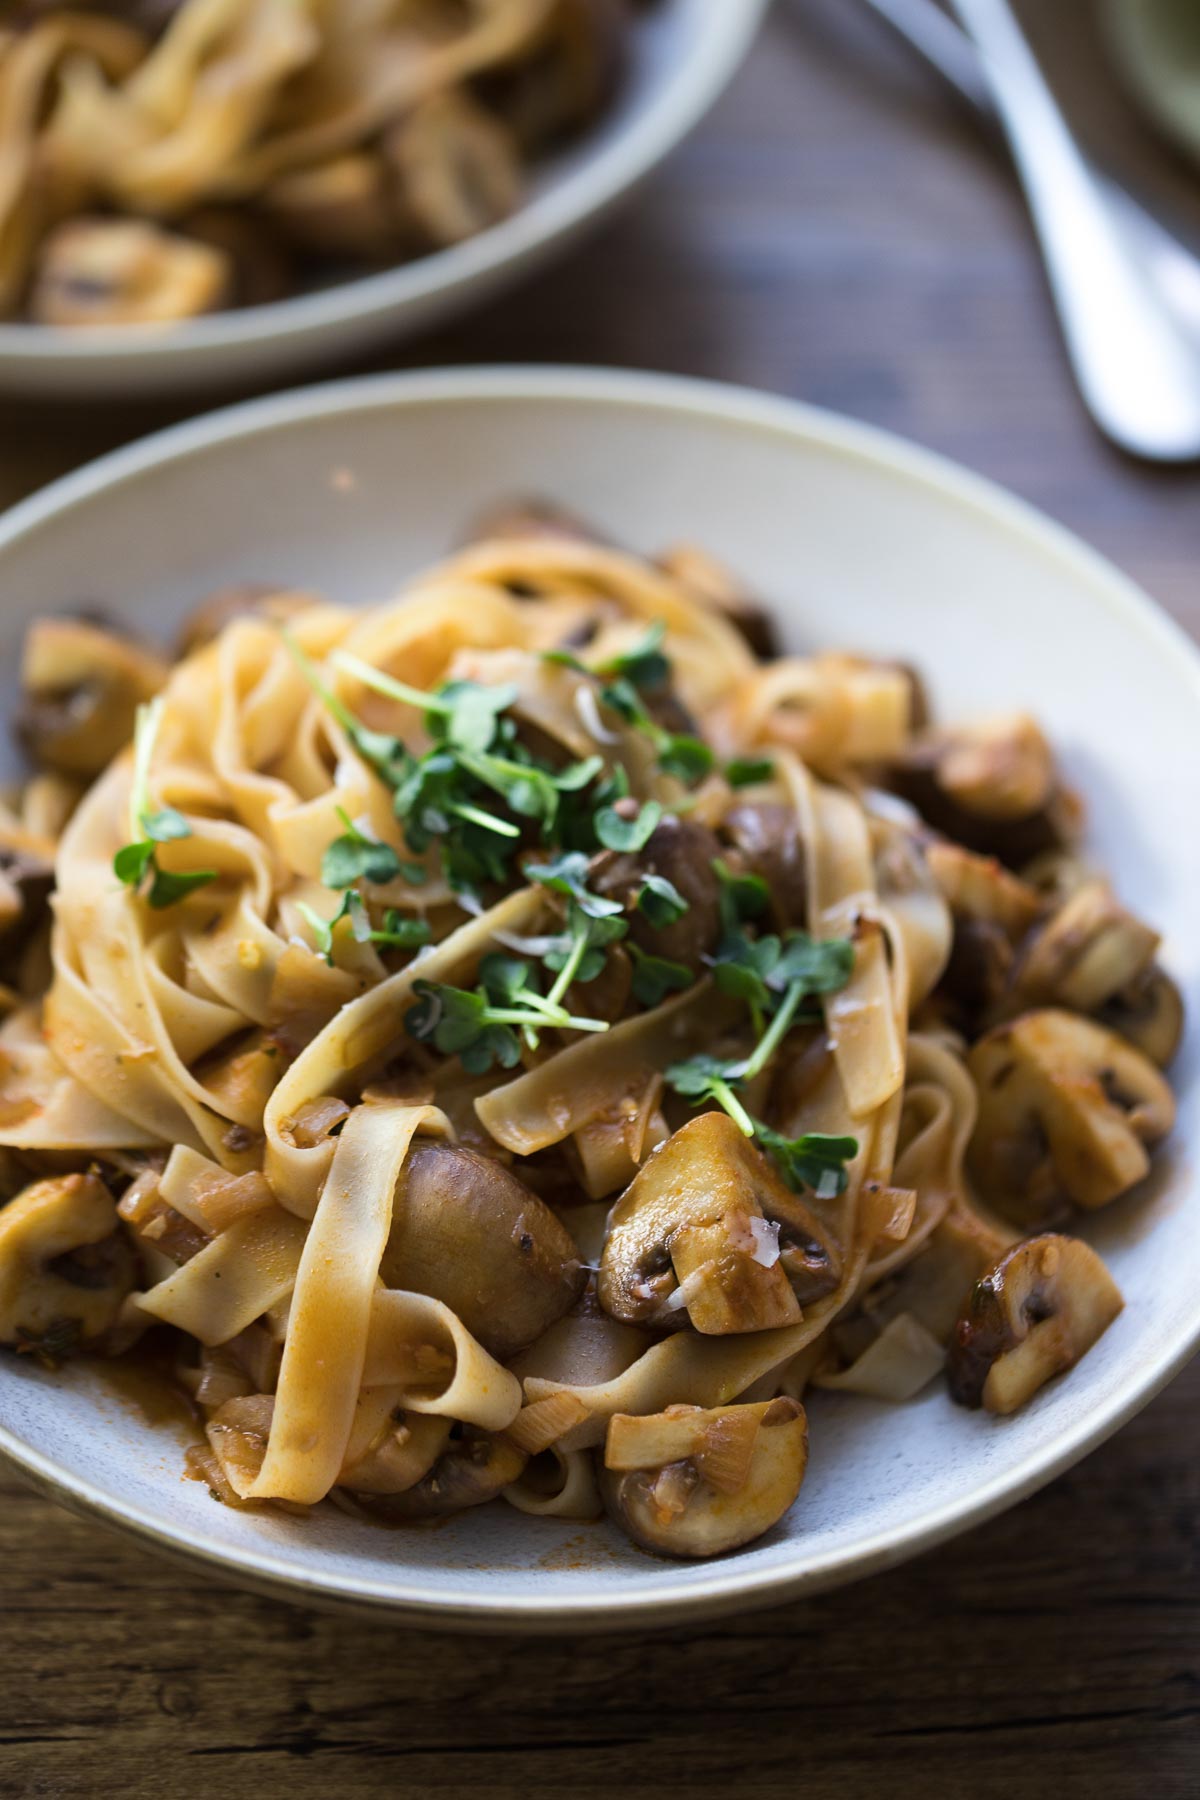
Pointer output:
x,y
714,586
466,1231
26,883
342,208
1031,1317
564,80
766,837
991,786
126,272
249,600
65,1265
474,1468
1088,950
456,169
990,908
81,688
1149,1012
698,1482
404,1455
1066,1111
979,887
683,852
708,1235
521,519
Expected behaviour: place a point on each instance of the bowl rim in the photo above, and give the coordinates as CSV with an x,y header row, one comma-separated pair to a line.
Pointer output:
x,y
727,1586
539,223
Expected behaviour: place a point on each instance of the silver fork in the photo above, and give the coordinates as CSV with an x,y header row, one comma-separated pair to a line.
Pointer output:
x,y
1126,290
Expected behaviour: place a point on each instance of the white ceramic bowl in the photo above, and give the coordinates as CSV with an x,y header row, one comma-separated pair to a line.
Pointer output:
x,y
684,52
858,540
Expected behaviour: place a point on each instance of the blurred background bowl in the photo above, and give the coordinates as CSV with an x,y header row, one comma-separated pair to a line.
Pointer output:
x,y
683,53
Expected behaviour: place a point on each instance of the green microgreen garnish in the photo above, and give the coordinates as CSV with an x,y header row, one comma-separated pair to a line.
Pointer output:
x,y
747,771
149,827
480,1025
624,678
618,831
774,976
661,901
356,857
654,977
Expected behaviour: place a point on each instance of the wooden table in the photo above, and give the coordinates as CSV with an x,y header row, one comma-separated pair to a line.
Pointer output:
x,y
836,231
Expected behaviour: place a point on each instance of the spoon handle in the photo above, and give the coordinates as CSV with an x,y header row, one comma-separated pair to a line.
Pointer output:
x,y
1136,368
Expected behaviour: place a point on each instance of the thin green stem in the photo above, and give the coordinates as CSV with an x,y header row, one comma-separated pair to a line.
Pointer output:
x,y
567,973
149,718
722,1092
475,815
387,684
776,1032
325,695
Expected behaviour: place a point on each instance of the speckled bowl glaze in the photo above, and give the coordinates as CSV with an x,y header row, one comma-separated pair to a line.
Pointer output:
x,y
683,53
858,540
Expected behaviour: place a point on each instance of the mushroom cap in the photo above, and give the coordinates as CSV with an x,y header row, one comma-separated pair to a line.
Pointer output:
x,y
1066,1110
1149,1013
700,1212
408,1450
732,1472
467,1232
474,1468
766,833
1043,1305
991,786
455,169
1085,952
81,687
63,1259
682,851
96,271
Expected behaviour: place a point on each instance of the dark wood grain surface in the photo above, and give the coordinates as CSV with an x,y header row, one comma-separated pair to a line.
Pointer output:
x,y
837,231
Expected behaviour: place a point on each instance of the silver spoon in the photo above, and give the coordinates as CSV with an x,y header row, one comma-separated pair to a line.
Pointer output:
x,y
1128,295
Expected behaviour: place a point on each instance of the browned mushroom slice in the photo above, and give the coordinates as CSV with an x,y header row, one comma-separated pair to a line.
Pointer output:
x,y
693,1481
522,519
1031,1317
475,1467
714,586
26,882
683,852
1066,1111
991,786
126,272
342,208
456,169
1087,951
991,909
65,1265
708,1235
565,81
248,600
405,1453
766,837
470,1234
80,691
1149,1012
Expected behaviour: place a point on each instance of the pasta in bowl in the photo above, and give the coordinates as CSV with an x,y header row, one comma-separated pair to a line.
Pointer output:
x,y
514,1041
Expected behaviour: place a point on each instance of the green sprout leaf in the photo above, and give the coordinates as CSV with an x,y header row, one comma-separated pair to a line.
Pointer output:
x,y
748,771
616,832
654,977
660,901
